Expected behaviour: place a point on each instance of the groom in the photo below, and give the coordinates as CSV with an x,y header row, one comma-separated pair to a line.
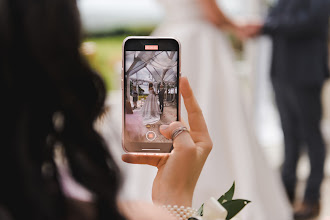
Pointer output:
x,y
299,30
161,97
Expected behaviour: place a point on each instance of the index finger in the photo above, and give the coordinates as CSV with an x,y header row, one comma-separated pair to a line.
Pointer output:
x,y
155,160
195,115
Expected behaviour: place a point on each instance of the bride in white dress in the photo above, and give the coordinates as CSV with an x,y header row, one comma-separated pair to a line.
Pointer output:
x,y
150,110
207,60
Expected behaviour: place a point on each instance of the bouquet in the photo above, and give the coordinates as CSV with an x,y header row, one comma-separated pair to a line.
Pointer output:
x,y
225,208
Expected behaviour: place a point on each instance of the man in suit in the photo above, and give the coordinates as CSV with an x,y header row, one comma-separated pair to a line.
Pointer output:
x,y
135,97
161,97
299,31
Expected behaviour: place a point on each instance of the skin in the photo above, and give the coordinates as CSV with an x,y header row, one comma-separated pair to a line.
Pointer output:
x,y
179,170
253,29
214,15
144,211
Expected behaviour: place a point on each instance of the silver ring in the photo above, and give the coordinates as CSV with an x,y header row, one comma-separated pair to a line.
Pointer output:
x,y
178,131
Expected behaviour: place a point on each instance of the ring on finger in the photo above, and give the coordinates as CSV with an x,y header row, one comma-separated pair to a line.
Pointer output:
x,y
178,131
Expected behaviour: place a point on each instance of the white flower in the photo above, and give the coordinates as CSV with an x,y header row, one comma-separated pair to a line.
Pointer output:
x,y
213,210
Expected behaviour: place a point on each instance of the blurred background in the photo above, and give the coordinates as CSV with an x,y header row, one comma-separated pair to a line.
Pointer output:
x,y
107,22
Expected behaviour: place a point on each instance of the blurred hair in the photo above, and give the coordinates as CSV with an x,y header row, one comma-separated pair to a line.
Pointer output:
x,y
49,97
151,85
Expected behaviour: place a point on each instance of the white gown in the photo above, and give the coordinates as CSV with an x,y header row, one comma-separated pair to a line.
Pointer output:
x,y
208,62
150,110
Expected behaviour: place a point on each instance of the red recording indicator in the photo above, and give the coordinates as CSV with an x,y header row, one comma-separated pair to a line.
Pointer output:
x,y
151,47
151,136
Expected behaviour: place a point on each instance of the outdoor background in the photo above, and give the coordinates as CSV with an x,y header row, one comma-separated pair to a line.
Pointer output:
x,y
107,22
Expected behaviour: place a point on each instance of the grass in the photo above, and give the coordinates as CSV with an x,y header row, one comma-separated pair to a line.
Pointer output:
x,y
106,52
105,57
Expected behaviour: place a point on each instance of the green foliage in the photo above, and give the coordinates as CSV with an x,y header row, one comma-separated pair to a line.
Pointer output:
x,y
108,53
228,196
233,207
200,210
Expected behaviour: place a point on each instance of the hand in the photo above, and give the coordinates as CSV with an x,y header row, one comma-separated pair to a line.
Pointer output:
x,y
253,29
240,32
179,170
244,32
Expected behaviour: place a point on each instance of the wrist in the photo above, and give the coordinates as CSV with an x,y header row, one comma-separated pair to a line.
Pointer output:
x,y
175,198
181,212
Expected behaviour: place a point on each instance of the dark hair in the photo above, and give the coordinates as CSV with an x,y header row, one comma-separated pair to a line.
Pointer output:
x,y
49,97
151,85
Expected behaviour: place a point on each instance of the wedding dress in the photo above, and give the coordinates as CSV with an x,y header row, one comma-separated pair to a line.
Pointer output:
x,y
150,110
207,60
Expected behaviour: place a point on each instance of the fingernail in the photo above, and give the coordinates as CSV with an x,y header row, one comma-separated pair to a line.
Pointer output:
x,y
164,127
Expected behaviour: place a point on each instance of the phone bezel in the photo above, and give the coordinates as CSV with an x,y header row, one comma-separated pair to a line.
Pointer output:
x,y
137,43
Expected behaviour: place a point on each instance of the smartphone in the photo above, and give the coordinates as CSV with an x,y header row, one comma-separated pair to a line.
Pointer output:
x,y
150,85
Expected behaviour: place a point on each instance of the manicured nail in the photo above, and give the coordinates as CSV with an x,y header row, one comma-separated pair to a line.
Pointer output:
x,y
164,127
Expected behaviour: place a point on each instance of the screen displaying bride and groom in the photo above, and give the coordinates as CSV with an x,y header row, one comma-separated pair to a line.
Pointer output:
x,y
151,93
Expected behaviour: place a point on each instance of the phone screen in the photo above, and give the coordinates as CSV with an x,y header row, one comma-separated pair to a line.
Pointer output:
x,y
151,73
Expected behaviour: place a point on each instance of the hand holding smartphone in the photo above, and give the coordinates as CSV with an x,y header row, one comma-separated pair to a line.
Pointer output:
x,y
150,83
179,171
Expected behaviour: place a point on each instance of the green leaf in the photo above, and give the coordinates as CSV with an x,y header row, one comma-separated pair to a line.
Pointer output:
x,y
200,210
233,207
228,196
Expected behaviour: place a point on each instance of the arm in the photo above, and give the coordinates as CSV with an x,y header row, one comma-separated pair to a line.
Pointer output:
x,y
310,21
179,171
214,15
143,211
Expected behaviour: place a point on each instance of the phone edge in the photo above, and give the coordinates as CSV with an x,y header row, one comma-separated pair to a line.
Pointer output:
x,y
122,89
